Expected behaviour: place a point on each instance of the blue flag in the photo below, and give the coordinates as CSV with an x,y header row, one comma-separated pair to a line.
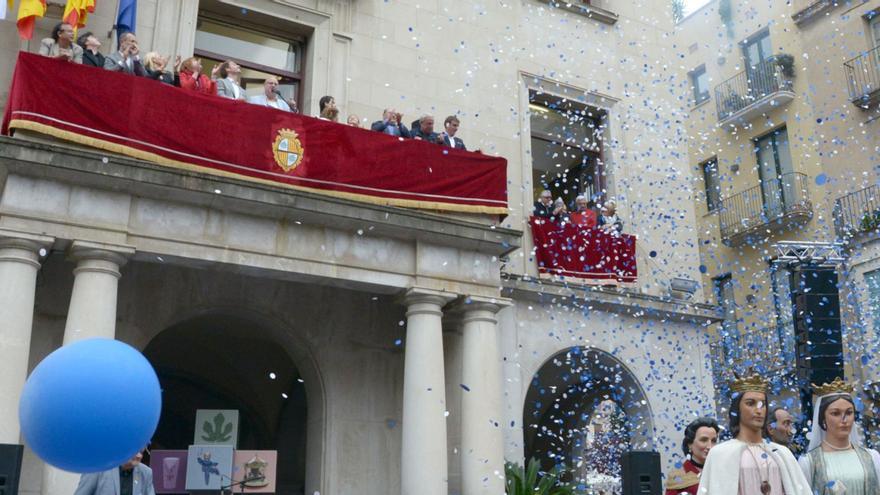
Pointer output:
x,y
126,19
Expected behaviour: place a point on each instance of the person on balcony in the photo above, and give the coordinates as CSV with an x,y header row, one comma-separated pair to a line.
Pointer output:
x,y
90,45
583,215
127,59
271,97
327,109
191,77
425,130
353,120
544,205
451,128
699,438
392,124
229,83
61,46
608,220
155,65
560,212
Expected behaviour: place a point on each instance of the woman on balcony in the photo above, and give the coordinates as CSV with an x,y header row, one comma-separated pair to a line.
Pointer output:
x,y
61,45
608,220
155,64
191,77
836,462
699,437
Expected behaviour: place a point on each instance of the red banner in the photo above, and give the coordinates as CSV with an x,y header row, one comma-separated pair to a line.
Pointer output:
x,y
575,251
152,121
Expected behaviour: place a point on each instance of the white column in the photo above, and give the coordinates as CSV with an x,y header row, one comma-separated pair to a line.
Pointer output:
x,y
482,429
19,262
92,313
423,451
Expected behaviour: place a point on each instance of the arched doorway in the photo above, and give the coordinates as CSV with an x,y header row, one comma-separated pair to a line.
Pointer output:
x,y
582,410
227,361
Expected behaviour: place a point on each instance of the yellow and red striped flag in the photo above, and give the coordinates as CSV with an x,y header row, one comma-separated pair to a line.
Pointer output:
x,y
28,11
76,11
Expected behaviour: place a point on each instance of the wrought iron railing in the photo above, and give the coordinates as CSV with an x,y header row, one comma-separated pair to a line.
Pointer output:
x,y
764,349
764,203
857,211
863,75
751,85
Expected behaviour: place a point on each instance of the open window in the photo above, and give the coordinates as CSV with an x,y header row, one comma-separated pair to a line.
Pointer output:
x,y
262,45
566,144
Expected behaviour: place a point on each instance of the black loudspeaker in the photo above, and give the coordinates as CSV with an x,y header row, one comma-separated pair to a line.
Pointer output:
x,y
10,468
819,341
640,470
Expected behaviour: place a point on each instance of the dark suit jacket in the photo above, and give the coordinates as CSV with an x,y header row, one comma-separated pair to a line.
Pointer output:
x,y
162,76
95,60
381,125
543,211
618,224
430,137
459,144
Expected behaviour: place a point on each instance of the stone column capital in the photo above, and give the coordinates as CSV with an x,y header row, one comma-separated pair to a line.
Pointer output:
x,y
478,308
421,301
81,251
23,247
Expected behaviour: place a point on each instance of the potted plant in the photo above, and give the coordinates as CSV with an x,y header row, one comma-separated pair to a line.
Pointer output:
x,y
531,481
785,62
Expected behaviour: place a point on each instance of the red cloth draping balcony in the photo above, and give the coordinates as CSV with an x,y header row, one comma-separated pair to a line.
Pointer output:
x,y
575,251
170,126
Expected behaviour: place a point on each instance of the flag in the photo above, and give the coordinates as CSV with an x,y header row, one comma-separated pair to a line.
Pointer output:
x,y
75,12
28,11
126,19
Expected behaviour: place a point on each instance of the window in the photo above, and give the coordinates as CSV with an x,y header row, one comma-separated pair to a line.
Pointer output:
x,y
700,84
724,293
566,147
872,312
261,50
777,173
713,185
757,49
875,28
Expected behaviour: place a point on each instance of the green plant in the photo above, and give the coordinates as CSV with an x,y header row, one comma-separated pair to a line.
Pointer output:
x,y
725,11
677,10
870,221
531,481
218,432
785,62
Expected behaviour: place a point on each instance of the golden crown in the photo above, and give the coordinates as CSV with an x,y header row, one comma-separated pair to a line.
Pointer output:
x,y
838,386
751,383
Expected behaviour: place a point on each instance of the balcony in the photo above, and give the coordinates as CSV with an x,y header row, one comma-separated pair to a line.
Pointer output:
x,y
759,210
863,79
755,91
857,212
770,350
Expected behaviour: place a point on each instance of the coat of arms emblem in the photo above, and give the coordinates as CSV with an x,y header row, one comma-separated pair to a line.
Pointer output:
x,y
287,150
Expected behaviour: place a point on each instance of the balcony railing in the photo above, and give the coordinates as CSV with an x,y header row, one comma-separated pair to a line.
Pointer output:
x,y
863,78
856,212
754,91
775,204
766,349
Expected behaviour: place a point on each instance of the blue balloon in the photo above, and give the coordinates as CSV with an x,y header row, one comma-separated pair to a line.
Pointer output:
x,y
90,406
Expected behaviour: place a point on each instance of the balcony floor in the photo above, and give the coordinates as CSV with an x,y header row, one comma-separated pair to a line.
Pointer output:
x,y
762,106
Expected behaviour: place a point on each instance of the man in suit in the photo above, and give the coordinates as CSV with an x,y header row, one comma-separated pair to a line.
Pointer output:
x,y
131,478
91,46
425,130
127,59
229,85
451,124
391,124
270,96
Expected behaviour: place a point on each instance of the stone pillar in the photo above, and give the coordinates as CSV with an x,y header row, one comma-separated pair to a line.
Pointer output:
x,y
423,452
92,313
19,262
482,437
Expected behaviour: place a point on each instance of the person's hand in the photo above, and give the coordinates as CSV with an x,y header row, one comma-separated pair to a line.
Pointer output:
x,y
65,54
177,62
133,50
214,71
398,117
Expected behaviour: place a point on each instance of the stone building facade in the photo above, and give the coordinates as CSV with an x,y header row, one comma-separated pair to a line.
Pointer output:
x,y
411,351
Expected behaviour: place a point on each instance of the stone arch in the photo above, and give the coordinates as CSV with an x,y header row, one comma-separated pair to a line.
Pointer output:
x,y
248,329
562,408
